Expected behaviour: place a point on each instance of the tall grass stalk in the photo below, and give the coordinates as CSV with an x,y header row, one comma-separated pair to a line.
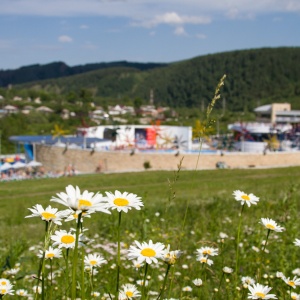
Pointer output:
x,y
238,243
207,125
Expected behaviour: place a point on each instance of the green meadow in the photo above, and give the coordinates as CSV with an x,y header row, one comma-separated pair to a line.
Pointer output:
x,y
185,209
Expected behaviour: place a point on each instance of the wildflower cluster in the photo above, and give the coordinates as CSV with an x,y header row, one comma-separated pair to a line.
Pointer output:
x,y
94,267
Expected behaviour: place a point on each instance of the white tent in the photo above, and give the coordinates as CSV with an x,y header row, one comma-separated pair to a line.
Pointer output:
x,y
5,166
34,163
18,165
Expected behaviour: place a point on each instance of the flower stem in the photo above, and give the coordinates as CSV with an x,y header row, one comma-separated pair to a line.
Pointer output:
x,y
164,283
144,282
75,257
265,245
42,263
82,275
118,254
51,279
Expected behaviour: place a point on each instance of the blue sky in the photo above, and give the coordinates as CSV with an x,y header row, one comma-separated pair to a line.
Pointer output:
x,y
89,31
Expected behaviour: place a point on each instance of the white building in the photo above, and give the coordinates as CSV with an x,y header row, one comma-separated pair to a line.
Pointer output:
x,y
277,113
142,137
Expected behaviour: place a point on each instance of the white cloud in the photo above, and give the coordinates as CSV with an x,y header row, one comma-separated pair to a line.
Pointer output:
x,y
173,18
145,8
180,31
83,26
65,39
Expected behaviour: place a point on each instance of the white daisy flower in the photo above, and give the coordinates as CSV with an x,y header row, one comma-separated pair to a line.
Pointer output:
x,y
245,198
271,225
170,257
71,215
259,291
48,214
295,296
123,201
280,275
137,265
94,260
95,294
197,282
227,270
4,282
208,251
63,239
223,235
148,252
292,282
247,280
22,293
296,271
142,283
204,259
130,291
6,289
81,202
187,289
12,271
51,253
297,242
122,296
37,289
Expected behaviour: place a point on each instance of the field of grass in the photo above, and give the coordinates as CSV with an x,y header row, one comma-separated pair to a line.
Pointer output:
x,y
186,209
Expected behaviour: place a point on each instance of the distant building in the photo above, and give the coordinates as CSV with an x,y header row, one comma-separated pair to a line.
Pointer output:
x,y
277,113
142,137
10,109
45,109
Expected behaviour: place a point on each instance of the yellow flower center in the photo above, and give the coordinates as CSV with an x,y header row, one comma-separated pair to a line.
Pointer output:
x,y
83,202
68,239
245,197
148,252
259,294
3,291
21,293
50,255
270,226
121,202
203,260
93,262
48,216
207,252
129,294
294,297
3,282
291,283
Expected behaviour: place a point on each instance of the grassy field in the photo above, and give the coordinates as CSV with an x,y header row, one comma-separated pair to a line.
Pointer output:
x,y
187,210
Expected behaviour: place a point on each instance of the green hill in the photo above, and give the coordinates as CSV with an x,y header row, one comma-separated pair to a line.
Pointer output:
x,y
254,77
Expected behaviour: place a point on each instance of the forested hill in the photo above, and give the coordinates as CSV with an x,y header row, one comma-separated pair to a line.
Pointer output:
x,y
254,76
60,69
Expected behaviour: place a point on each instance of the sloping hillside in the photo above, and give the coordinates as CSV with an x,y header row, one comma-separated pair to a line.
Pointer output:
x,y
254,77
